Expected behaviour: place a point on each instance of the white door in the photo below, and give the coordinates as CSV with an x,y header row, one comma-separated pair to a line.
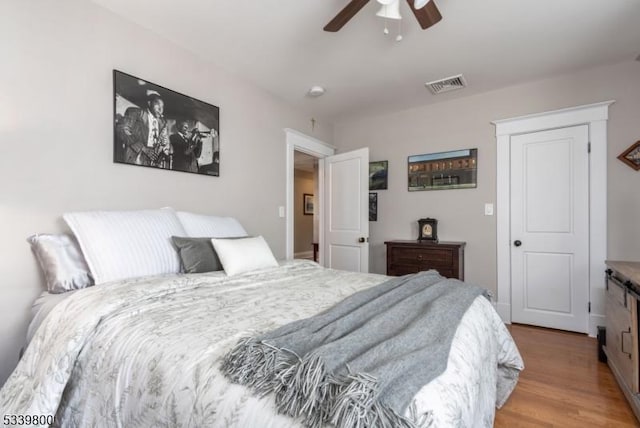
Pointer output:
x,y
550,228
346,208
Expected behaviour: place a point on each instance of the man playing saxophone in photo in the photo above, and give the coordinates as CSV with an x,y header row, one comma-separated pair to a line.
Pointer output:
x,y
145,136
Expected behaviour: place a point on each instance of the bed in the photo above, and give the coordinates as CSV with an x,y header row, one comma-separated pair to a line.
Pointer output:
x,y
146,351
41,307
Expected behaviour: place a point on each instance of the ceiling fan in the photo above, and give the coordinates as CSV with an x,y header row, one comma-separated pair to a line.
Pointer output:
x,y
426,12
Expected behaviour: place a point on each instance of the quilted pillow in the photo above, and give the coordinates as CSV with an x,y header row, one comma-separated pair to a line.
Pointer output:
x,y
61,261
127,244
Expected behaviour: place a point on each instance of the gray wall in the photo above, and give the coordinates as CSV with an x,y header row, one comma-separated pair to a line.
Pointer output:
x,y
466,123
56,139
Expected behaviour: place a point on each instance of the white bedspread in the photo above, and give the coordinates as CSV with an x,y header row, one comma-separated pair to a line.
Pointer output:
x,y
145,352
41,307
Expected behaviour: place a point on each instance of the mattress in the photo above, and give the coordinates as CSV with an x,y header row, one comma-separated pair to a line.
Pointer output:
x,y
146,352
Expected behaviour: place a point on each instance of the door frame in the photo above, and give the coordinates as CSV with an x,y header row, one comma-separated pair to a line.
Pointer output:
x,y
297,141
595,116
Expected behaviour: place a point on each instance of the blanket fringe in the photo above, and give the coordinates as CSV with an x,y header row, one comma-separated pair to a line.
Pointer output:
x,y
303,388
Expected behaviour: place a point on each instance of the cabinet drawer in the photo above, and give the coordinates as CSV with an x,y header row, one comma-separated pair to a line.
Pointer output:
x,y
618,297
619,332
404,257
621,309
416,266
399,270
419,255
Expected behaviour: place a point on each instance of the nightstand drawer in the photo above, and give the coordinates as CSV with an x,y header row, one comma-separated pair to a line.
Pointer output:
x,y
405,270
419,255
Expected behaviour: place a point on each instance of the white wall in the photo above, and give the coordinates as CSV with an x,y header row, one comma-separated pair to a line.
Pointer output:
x,y
466,123
56,138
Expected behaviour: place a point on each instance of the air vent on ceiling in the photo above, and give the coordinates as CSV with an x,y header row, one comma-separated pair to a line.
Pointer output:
x,y
447,84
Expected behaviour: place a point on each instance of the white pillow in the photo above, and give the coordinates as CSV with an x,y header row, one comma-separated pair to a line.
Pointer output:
x,y
127,244
244,254
201,226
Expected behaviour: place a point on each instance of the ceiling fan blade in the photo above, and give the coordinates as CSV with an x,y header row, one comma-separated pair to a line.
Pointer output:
x,y
427,15
345,15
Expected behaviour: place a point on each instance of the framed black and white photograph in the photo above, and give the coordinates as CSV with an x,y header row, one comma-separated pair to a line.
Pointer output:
x,y
160,128
307,204
457,169
373,206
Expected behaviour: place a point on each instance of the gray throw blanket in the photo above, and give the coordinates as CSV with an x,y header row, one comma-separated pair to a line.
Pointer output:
x,y
360,362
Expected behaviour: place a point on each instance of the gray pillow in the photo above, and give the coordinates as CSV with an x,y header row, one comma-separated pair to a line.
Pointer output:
x,y
197,254
61,261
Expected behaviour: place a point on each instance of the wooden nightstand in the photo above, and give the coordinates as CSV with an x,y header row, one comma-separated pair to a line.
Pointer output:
x,y
405,257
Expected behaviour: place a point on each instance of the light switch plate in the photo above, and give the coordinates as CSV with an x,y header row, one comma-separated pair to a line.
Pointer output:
x,y
488,209
281,212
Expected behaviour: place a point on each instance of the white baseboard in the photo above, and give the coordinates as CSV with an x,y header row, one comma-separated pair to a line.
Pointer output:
x,y
303,255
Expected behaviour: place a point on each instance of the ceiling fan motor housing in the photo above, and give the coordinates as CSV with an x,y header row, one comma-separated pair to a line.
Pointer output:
x,y
425,11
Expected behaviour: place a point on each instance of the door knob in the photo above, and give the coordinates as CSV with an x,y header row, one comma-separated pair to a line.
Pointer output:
x,y
517,243
361,240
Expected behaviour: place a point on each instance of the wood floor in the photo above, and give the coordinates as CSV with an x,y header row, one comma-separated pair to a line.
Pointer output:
x,y
563,384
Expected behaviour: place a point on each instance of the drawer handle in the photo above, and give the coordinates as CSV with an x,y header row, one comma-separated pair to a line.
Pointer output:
x,y
419,256
622,333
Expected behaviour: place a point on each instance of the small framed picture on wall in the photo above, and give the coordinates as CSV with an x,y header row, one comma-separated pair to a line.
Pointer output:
x,y
373,206
307,204
378,175
457,169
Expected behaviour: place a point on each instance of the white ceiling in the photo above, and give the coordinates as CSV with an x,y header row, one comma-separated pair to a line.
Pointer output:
x,y
280,45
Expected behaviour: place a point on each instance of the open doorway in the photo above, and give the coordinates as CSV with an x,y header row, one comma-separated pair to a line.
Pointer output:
x,y
298,142
340,203
305,221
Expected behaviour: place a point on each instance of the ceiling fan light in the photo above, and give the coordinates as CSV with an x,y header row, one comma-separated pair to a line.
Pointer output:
x,y
419,4
390,11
